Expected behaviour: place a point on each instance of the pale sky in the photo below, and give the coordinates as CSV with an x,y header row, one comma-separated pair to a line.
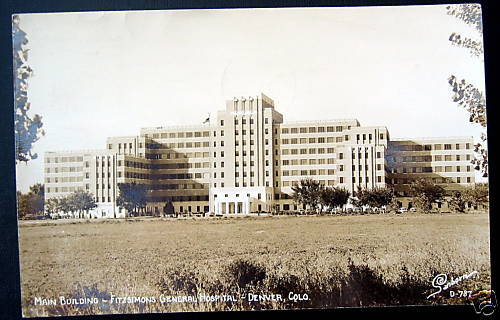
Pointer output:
x,y
103,74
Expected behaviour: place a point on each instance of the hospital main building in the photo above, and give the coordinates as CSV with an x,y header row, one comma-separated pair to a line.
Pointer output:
x,y
247,159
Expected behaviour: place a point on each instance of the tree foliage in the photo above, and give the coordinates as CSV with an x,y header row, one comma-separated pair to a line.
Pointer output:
x,y
316,196
81,201
307,192
465,94
31,204
334,197
457,202
477,194
168,209
374,198
132,196
52,206
28,129
425,194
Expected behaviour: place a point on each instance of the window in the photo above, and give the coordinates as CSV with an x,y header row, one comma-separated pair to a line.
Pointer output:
x,y
266,120
222,122
447,147
341,156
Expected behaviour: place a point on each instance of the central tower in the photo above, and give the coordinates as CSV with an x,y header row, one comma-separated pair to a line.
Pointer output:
x,y
244,153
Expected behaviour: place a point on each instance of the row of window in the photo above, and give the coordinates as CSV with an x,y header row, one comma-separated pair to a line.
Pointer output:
x,y
320,172
173,135
314,140
182,186
429,147
448,157
196,165
309,151
63,169
434,180
178,145
359,155
314,129
296,162
366,179
176,155
369,136
130,145
432,169
179,198
63,179
266,121
323,182
63,189
63,159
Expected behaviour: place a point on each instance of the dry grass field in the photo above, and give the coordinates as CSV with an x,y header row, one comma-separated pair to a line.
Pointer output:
x,y
368,260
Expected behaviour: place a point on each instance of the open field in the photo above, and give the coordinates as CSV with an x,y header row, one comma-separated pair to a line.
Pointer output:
x,y
368,260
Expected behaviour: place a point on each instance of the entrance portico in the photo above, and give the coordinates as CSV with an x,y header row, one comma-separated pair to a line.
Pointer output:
x,y
240,200
232,206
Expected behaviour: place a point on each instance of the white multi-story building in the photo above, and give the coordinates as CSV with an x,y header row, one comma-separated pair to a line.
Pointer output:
x,y
247,158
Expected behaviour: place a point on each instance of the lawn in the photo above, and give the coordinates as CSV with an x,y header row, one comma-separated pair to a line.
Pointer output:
x,y
327,261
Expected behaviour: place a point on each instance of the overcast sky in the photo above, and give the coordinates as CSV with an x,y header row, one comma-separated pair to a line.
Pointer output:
x,y
106,74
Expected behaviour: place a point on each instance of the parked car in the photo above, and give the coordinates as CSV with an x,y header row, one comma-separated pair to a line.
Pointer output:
x,y
402,210
413,209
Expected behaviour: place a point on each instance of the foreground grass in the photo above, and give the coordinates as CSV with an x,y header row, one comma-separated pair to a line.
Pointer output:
x,y
337,261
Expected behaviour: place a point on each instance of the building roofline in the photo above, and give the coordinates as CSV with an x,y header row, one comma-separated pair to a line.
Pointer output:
x,y
173,127
431,138
319,121
121,137
80,151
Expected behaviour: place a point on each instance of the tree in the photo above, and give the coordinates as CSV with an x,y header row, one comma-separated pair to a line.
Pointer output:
x,y
28,129
466,94
168,209
64,205
457,201
477,194
308,193
52,206
425,194
132,196
31,204
334,197
374,198
81,201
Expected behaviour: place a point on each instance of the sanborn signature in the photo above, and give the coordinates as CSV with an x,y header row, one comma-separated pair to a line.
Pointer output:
x,y
442,284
